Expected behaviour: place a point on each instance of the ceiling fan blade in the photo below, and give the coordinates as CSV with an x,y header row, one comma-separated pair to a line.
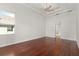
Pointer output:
x,y
53,9
46,9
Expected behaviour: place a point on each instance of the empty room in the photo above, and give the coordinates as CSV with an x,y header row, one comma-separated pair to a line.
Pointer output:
x,y
39,29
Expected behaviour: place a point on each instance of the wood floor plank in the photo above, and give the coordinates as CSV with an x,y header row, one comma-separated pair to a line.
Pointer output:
x,y
45,46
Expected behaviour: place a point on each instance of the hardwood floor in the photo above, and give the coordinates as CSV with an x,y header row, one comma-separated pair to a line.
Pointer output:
x,y
45,46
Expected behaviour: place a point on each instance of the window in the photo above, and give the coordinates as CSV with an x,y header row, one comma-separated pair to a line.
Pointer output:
x,y
7,22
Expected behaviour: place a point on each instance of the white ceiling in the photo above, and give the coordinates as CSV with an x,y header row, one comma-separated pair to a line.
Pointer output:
x,y
38,7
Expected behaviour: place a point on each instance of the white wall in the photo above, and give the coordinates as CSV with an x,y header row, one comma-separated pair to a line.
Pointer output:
x,y
29,25
77,25
67,28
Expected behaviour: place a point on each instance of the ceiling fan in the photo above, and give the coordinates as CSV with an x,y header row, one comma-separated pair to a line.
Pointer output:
x,y
51,8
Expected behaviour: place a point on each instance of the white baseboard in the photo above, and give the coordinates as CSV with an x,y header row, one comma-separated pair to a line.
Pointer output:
x,y
16,42
63,38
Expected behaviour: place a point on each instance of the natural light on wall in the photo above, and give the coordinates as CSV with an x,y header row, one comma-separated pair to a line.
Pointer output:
x,y
7,22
